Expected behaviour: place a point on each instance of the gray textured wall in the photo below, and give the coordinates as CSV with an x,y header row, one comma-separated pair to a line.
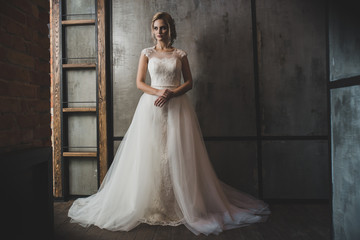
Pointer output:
x,y
82,171
82,176
345,118
344,39
80,43
292,70
292,85
344,51
84,7
81,87
296,169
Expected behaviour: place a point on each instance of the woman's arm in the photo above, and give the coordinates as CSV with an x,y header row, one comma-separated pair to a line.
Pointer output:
x,y
188,81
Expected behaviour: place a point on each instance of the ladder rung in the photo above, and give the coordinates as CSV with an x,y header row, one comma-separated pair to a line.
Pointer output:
x,y
80,154
79,109
79,65
78,22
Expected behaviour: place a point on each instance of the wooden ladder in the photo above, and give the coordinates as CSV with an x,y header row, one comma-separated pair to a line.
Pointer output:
x,y
62,110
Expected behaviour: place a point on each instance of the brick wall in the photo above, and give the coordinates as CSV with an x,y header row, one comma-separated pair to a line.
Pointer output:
x,y
24,75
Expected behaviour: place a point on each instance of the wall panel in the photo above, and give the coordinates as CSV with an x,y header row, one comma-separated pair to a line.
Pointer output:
x,y
345,118
77,126
82,176
235,163
80,43
344,63
292,70
296,169
80,9
344,41
81,88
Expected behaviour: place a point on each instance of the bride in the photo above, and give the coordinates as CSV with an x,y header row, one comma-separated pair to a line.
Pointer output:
x,y
161,173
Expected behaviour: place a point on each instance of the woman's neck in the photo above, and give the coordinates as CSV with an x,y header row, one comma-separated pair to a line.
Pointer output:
x,y
160,45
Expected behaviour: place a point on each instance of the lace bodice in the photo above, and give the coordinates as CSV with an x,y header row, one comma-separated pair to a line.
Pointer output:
x,y
164,67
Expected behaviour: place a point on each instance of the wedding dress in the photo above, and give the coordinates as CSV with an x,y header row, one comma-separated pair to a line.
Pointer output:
x,y
161,173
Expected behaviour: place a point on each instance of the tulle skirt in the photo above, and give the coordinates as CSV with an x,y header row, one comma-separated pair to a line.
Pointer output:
x,y
161,174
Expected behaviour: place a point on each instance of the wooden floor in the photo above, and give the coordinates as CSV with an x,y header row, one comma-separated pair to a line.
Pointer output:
x,y
287,221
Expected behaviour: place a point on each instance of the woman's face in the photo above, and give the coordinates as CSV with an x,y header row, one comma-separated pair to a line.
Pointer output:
x,y
160,30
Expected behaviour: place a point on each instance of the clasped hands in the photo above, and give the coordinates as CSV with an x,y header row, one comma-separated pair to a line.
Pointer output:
x,y
164,96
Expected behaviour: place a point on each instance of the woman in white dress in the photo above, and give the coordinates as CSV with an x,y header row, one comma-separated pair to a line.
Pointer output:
x,y
161,173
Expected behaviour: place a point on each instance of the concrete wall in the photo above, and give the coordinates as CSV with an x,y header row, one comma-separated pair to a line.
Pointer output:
x,y
296,169
79,43
292,71
344,39
344,51
292,86
345,118
218,36
81,88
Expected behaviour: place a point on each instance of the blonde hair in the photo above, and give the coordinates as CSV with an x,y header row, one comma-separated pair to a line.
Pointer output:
x,y
169,21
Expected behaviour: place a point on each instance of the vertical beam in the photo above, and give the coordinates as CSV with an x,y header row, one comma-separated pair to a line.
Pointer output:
x,y
109,82
328,96
256,52
56,79
102,126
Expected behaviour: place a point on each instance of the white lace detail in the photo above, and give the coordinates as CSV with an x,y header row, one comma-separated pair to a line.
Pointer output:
x,y
181,53
164,209
164,67
165,72
146,52
151,50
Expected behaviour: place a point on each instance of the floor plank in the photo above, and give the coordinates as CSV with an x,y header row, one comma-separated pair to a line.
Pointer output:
x,y
145,232
287,221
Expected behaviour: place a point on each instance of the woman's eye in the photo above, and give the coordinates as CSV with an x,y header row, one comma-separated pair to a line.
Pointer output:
x,y
156,28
